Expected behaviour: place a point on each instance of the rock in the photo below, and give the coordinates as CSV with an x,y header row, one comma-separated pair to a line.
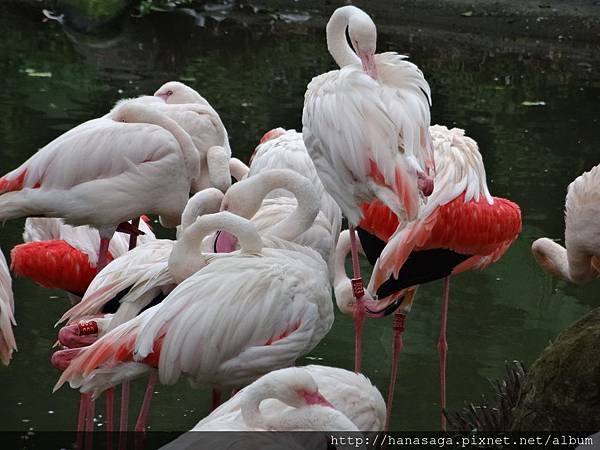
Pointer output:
x,y
562,389
92,15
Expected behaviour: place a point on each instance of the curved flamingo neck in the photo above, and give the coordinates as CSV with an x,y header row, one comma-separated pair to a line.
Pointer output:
x,y
238,169
341,283
337,44
303,216
207,201
568,264
186,259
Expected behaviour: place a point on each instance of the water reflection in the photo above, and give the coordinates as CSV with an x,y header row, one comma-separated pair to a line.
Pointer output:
x,y
254,69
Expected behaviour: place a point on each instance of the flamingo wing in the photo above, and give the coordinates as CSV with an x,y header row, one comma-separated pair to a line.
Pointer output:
x,y
7,317
355,143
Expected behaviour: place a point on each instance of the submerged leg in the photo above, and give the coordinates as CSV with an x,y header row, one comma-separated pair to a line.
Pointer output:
x,y
443,348
89,422
140,425
398,344
359,310
216,399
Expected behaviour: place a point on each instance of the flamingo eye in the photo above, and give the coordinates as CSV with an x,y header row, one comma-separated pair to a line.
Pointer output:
x,y
169,92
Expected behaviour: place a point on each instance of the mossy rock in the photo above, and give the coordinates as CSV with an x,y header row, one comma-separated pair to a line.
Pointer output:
x,y
91,15
562,390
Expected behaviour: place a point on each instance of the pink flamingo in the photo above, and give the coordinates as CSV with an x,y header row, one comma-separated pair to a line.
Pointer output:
x,y
579,261
277,300
58,256
366,129
462,227
141,162
7,314
350,393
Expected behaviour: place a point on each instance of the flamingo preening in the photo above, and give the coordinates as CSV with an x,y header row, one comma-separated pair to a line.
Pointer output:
x,y
139,162
579,260
366,129
462,227
233,317
7,314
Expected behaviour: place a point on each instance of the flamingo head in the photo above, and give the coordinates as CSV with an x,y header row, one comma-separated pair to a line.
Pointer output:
x,y
425,183
175,92
296,387
363,37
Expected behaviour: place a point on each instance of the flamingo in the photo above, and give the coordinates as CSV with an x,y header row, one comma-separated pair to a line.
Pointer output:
x,y
350,393
7,314
58,256
366,129
141,162
273,307
579,262
462,227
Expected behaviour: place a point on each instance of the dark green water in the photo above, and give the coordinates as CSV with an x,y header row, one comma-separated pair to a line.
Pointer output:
x,y
254,72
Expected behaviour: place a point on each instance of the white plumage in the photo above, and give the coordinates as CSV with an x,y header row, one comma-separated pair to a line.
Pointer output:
x,y
7,316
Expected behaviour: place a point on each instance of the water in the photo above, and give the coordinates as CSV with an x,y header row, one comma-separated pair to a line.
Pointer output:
x,y
254,71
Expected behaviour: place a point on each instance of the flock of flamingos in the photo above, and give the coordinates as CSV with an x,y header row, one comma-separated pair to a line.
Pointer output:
x,y
246,288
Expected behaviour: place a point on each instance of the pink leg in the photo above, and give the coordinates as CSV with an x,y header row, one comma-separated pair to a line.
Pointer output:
x,y
399,325
133,237
110,398
359,310
140,425
81,420
443,347
124,418
89,422
216,399
103,254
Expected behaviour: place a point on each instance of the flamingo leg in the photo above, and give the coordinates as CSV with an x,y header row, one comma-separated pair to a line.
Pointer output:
x,y
216,399
443,348
89,422
110,398
124,415
133,236
140,425
359,310
103,254
81,419
397,346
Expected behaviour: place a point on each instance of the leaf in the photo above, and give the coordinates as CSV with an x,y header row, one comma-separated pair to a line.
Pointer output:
x,y
535,103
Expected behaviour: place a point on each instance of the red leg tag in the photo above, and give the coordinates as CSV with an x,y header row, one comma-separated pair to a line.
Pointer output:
x,y
87,328
358,288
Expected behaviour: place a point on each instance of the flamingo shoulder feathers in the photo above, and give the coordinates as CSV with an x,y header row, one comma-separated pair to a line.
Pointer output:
x,y
7,317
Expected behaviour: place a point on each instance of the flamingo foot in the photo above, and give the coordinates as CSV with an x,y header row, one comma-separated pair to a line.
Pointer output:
x,y
130,228
79,334
398,344
62,358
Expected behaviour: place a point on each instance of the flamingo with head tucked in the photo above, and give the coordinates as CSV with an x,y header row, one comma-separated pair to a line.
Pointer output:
x,y
462,227
579,260
139,162
233,317
366,129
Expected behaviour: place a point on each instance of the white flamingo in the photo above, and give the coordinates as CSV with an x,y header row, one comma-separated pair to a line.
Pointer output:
x,y
579,262
140,162
366,129
7,314
350,393
249,311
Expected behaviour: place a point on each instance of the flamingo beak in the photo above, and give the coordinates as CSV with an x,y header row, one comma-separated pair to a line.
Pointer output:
x,y
163,97
368,62
225,242
315,398
425,183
